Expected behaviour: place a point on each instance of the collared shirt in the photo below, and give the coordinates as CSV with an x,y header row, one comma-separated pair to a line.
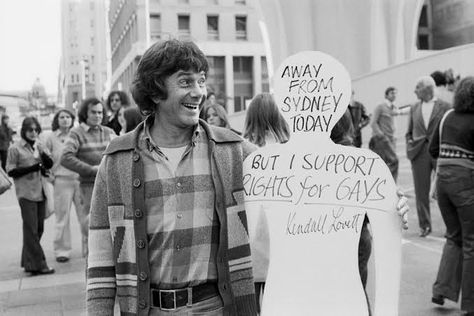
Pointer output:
x,y
55,142
426,110
28,186
83,150
182,225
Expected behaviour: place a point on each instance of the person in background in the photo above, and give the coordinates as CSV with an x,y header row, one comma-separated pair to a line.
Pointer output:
x,y
216,115
167,226
264,125
66,187
6,138
116,100
423,119
210,100
360,119
132,117
83,151
129,118
28,160
441,90
383,141
454,149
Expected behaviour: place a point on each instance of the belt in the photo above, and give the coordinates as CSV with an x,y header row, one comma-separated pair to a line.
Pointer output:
x,y
173,299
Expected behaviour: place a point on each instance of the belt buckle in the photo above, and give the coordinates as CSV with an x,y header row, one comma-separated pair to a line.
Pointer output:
x,y
174,299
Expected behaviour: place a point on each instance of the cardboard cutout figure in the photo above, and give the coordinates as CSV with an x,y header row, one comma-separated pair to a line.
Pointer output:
x,y
313,194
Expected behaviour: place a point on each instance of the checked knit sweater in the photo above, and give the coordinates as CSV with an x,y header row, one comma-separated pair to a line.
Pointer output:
x,y
117,267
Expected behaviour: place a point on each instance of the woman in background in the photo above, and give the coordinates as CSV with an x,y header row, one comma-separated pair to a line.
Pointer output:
x,y
264,123
6,138
216,115
66,186
116,100
454,151
28,160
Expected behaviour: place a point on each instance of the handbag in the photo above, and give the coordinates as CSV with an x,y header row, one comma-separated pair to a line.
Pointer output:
x,y
48,190
5,182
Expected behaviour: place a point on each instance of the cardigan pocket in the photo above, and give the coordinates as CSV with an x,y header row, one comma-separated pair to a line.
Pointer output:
x,y
116,214
122,233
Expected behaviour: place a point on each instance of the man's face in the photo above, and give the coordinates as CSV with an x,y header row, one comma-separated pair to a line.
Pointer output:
x,y
94,115
186,92
392,95
422,92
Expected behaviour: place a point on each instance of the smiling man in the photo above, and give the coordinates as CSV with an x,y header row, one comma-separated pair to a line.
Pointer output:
x,y
168,231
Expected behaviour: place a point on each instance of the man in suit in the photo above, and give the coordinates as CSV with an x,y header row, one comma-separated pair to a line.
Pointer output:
x,y
424,116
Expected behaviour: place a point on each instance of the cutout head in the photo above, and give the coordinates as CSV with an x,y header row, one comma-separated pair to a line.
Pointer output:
x,y
312,90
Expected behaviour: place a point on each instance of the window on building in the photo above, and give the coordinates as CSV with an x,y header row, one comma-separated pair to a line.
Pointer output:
x,y
240,2
183,1
423,41
155,27
212,27
243,81
92,23
93,77
92,41
215,80
183,27
72,78
75,96
241,27
265,82
92,59
77,78
424,16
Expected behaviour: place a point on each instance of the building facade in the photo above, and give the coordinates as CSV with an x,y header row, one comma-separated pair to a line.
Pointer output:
x,y
83,70
444,24
227,31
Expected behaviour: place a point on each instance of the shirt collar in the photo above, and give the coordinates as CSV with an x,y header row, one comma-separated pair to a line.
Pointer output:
x,y
432,101
87,128
58,132
150,144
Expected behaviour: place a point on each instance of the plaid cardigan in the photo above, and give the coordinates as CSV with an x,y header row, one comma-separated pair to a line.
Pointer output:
x,y
117,267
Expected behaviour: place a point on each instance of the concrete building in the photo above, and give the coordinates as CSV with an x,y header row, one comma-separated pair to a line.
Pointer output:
x,y
446,24
226,30
83,70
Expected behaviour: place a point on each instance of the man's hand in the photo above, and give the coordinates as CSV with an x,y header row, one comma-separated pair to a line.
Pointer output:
x,y
403,208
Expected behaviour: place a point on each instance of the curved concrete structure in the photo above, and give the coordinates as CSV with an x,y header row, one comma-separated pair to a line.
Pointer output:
x,y
364,35
370,88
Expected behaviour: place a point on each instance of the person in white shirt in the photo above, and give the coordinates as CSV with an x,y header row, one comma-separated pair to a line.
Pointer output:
x,y
424,117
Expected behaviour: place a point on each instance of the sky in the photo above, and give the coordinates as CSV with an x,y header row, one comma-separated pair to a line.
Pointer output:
x,y
30,44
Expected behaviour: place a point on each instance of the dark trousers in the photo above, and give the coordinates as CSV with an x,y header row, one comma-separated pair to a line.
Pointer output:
x,y
32,255
385,148
3,158
456,201
422,167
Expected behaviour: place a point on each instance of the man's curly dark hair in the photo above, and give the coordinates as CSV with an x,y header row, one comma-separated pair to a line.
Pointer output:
x,y
464,96
159,62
